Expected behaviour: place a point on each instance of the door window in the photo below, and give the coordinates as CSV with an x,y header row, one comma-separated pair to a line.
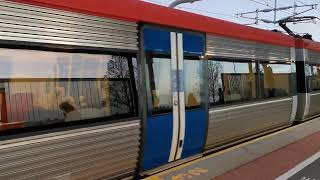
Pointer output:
x,y
160,84
193,81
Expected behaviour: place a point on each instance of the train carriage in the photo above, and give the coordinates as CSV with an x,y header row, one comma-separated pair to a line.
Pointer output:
x,y
252,89
110,90
308,55
74,77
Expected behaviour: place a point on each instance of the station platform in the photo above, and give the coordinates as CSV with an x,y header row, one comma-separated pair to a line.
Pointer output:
x,y
292,153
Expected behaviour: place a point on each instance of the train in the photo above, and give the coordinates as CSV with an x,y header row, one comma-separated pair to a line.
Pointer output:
x,y
124,89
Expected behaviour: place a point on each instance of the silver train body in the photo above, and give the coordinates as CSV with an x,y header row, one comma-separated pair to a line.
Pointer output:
x,y
116,149
308,96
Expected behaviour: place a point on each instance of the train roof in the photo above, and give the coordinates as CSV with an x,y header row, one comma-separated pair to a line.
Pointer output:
x,y
308,44
139,11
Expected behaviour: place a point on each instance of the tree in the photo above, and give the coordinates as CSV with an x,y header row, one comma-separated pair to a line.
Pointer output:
x,y
214,71
119,86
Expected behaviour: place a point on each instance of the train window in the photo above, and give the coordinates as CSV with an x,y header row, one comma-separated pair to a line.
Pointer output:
x,y
314,79
193,79
160,84
41,87
276,79
231,81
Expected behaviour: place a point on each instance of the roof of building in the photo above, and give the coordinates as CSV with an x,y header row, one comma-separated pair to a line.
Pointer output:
x,y
139,11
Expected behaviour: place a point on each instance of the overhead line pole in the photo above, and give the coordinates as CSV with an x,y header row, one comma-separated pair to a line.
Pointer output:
x,y
275,10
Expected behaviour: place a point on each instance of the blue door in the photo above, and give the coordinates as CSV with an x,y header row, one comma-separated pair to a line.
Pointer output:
x,y
176,122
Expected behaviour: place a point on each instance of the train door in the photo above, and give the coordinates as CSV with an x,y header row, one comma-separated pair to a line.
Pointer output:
x,y
176,119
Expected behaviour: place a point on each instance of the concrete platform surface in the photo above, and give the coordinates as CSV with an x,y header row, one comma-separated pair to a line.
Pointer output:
x,y
291,153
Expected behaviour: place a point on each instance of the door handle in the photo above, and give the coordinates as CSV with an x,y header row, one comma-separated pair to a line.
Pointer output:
x,y
175,102
180,143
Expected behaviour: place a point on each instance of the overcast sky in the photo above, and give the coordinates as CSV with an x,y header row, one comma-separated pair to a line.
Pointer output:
x,y
228,9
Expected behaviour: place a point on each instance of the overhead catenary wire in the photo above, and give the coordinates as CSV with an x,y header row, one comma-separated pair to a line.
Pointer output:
x,y
301,2
267,5
193,9
209,13
231,17
212,13
258,2
266,1
222,14
198,10
305,4
275,10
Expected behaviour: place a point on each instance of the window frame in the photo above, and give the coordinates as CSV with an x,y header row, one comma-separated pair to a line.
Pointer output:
x,y
150,86
259,81
203,78
149,55
310,65
291,84
9,133
238,60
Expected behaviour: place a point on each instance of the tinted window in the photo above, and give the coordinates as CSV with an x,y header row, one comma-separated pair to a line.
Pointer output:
x,y
231,82
40,87
314,78
160,84
193,78
276,79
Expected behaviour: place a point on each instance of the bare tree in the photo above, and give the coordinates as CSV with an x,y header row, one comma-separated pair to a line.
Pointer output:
x,y
118,76
214,69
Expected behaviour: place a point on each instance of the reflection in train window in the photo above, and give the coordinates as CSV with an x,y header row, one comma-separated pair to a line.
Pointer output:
x,y
314,79
160,84
41,87
193,81
276,79
231,82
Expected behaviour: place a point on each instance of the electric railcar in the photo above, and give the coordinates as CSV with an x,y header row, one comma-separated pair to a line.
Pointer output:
x,y
308,56
110,90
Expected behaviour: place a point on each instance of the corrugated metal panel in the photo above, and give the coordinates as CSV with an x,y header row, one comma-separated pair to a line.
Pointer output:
x,y
314,56
314,108
104,152
21,22
228,124
227,47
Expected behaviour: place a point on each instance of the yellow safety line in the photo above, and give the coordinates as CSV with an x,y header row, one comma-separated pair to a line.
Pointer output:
x,y
156,176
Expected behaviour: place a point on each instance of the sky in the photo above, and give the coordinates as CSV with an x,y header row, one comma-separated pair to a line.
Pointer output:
x,y
228,9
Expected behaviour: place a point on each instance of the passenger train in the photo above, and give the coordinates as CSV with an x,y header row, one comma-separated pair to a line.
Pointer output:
x,y
120,89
